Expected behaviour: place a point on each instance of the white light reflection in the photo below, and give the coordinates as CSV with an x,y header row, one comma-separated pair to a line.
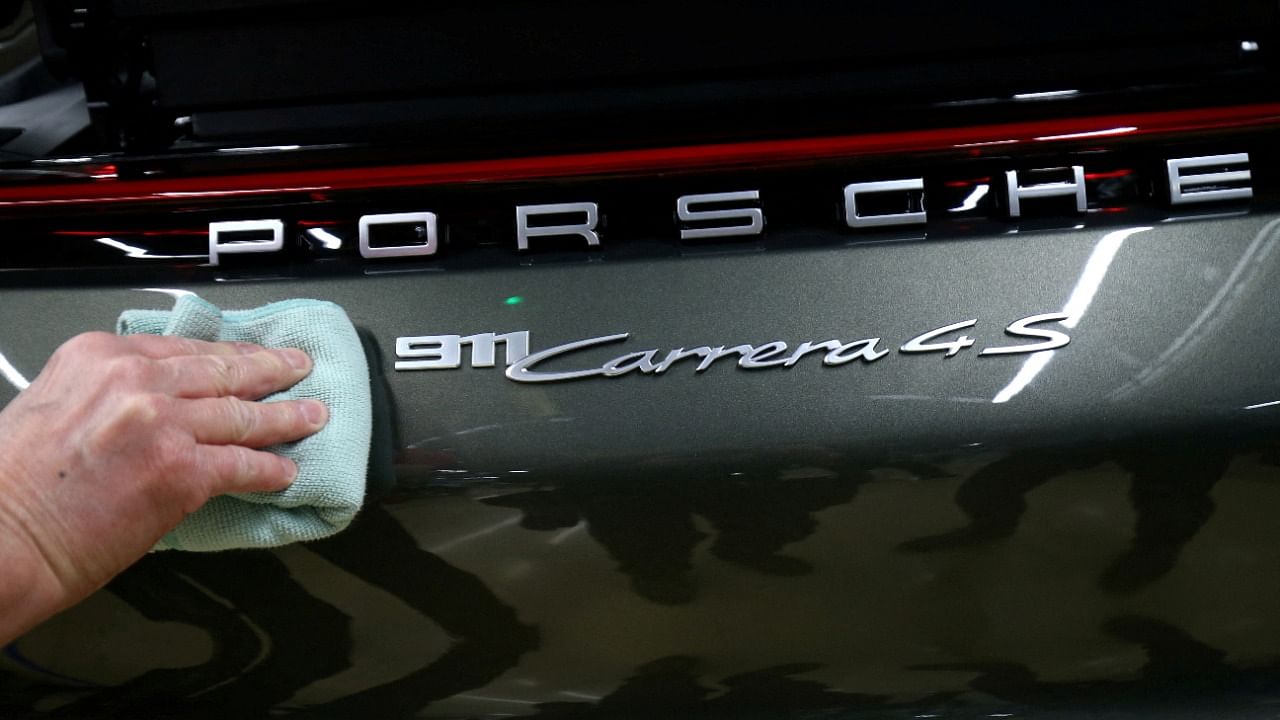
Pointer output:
x,y
224,193
488,698
974,198
1090,134
174,293
567,533
1223,304
327,239
1095,269
1104,253
11,374
985,143
1046,95
1247,407
134,251
261,148
1028,372
463,539
1205,216
64,161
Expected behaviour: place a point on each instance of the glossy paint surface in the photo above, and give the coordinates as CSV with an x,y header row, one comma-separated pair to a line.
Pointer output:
x,y
1048,534
99,183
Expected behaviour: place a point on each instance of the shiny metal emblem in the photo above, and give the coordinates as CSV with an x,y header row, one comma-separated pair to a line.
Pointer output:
x,y
741,213
445,352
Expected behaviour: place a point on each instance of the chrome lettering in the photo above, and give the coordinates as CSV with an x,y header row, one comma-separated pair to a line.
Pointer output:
x,y
521,371
1182,188
1017,193
642,361
424,220
679,354
436,352
764,356
1053,338
223,242
865,350
444,352
751,218
922,344
811,347
586,229
854,219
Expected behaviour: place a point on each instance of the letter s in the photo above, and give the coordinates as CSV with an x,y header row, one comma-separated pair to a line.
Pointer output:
x,y
1053,338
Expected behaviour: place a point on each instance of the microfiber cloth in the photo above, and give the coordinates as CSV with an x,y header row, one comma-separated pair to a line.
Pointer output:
x,y
331,463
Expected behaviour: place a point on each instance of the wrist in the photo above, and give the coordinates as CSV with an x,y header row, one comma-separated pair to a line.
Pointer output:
x,y
29,594
31,591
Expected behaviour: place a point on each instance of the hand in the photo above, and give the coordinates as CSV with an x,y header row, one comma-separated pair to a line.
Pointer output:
x,y
119,439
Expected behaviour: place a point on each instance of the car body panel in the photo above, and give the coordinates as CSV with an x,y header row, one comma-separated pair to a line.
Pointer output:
x,y
874,537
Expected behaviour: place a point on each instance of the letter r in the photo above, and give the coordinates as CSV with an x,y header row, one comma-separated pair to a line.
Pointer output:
x,y
586,229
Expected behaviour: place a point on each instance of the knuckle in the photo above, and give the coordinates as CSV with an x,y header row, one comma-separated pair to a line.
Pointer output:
x,y
224,375
270,366
256,375
288,416
140,410
172,453
242,419
207,470
83,352
179,345
129,369
186,478
133,417
246,470
90,342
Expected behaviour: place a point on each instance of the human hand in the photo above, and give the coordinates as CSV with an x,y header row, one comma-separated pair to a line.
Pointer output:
x,y
119,439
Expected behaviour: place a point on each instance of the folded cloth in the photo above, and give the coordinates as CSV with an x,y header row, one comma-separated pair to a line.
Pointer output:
x,y
331,464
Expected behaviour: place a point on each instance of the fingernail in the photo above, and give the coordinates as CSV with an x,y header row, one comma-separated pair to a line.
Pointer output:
x,y
315,412
297,359
291,470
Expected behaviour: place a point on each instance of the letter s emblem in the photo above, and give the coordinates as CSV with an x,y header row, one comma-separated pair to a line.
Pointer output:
x,y
1052,338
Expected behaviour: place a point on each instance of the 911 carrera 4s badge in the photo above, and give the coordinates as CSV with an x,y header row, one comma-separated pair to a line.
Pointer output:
x,y
445,352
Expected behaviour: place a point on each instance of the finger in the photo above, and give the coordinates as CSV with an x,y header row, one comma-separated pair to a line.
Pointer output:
x,y
159,347
249,377
232,421
232,468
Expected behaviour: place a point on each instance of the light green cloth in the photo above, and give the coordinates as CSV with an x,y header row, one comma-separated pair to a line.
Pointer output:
x,y
331,464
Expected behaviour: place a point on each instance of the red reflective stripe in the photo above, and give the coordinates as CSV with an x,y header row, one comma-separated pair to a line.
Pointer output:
x,y
975,140
1111,174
